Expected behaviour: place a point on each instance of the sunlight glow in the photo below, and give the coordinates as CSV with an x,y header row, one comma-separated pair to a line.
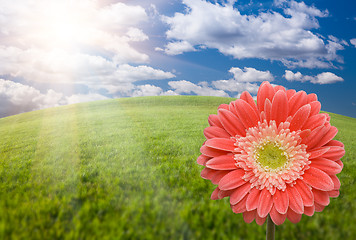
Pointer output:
x,y
62,24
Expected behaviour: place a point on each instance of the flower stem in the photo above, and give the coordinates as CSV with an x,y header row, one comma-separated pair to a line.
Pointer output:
x,y
270,229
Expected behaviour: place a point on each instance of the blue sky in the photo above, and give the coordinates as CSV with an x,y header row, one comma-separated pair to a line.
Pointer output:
x,y
62,52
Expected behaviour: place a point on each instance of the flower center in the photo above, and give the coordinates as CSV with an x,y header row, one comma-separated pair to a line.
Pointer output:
x,y
270,155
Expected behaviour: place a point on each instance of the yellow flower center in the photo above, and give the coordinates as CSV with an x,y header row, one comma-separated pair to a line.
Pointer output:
x,y
270,155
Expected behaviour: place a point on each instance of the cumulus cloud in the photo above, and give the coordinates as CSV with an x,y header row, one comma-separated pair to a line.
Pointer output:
x,y
62,25
322,78
250,75
327,78
78,98
147,90
243,80
42,44
187,87
353,42
178,47
269,35
18,98
90,42
235,86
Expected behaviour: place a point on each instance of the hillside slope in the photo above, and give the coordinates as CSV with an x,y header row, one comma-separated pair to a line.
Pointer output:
x,y
126,169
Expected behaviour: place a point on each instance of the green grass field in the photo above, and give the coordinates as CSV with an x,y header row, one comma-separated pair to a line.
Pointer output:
x,y
126,169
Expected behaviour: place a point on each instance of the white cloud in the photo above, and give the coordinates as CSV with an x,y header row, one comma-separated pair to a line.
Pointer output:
x,y
187,87
243,80
290,76
17,98
234,86
58,67
267,35
127,73
62,25
322,78
136,35
78,98
175,48
250,75
327,78
353,41
86,42
169,93
147,90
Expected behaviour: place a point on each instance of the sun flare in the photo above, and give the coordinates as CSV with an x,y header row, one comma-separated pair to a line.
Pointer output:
x,y
61,25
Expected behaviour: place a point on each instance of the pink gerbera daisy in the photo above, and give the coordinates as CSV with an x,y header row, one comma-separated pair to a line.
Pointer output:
x,y
275,158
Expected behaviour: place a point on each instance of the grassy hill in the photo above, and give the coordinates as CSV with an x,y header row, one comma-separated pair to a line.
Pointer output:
x,y
126,169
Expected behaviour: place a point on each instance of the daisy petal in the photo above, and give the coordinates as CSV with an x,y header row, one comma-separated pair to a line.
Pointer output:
x,y
315,108
232,108
248,98
277,217
303,134
215,179
290,93
340,163
314,121
268,109
309,211
318,207
279,111
214,121
318,179
215,132
214,194
224,162
330,134
211,152
334,153
253,199
240,206
312,97
336,182
239,193
260,220
321,197
334,193
231,123
202,159
300,117
278,87
293,216
232,180
224,144
265,203
281,201
327,166
295,200
207,173
335,143
249,216
265,91
305,192
223,106
314,137
246,114
296,101
222,194
317,152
